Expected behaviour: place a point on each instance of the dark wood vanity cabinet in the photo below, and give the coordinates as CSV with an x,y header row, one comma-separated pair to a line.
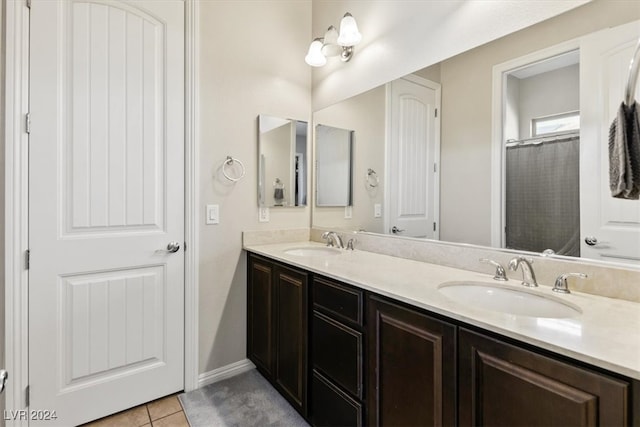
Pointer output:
x,y
504,385
277,327
412,367
371,360
336,354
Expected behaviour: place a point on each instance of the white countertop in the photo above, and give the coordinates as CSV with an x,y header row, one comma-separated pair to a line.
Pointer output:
x,y
605,334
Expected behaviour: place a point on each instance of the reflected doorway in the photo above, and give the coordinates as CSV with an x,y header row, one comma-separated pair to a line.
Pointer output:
x,y
541,143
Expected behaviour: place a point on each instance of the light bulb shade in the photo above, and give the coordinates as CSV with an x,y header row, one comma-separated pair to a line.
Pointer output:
x,y
314,57
349,34
330,46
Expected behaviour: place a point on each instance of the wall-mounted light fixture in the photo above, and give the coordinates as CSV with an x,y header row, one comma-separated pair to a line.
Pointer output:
x,y
334,44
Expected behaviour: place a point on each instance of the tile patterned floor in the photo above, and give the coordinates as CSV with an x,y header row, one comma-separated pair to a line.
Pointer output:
x,y
165,412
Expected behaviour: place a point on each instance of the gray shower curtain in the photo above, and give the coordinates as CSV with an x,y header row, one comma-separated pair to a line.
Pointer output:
x,y
543,196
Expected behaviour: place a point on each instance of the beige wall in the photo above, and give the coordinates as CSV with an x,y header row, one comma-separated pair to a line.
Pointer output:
x,y
364,114
251,63
466,118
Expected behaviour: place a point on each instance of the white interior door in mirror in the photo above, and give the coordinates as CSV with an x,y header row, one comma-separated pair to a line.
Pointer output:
x,y
106,197
613,223
413,147
333,166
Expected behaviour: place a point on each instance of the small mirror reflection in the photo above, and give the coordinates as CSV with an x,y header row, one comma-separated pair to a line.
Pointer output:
x,y
282,148
333,166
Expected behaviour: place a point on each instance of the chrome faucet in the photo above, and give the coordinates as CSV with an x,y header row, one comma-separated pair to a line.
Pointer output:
x,y
528,276
333,239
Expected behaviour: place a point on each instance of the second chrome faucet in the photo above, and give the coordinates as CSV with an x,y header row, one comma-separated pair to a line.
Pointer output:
x,y
333,239
528,276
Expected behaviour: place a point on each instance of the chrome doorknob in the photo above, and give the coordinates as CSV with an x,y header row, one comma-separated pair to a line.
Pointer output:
x,y
591,240
396,230
4,375
173,247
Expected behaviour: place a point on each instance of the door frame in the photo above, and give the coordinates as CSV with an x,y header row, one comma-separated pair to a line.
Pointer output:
x,y
16,226
498,102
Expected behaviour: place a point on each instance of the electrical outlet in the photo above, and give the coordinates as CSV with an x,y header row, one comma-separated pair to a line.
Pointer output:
x,y
263,214
377,210
348,212
213,214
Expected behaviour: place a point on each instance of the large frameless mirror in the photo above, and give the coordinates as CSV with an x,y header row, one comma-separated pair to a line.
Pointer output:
x,y
525,166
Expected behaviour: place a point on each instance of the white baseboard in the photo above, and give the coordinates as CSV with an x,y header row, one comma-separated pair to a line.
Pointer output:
x,y
225,372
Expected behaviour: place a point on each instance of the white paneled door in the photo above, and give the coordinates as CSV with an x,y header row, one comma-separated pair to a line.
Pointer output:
x,y
609,227
413,194
106,312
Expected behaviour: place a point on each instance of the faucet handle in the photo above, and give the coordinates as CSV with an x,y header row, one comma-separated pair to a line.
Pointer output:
x,y
325,236
561,285
350,243
500,273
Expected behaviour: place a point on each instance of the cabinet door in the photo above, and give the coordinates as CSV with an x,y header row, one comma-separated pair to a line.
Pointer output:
x,y
411,367
291,333
504,385
260,330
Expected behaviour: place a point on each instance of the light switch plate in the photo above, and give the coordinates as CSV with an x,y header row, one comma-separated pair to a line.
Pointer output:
x,y
348,212
213,214
263,214
377,210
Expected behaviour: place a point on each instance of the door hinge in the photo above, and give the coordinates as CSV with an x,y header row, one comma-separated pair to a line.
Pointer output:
x,y
436,112
185,246
27,123
27,259
434,226
27,395
435,167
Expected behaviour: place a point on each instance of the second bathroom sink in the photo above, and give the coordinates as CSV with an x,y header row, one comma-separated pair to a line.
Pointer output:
x,y
312,251
507,299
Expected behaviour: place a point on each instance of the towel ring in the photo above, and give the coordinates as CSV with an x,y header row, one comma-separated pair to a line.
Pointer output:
x,y
229,162
372,178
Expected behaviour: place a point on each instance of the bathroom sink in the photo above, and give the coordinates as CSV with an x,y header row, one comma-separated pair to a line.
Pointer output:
x,y
312,251
507,299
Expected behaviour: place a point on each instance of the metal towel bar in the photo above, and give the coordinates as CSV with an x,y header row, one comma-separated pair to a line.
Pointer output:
x,y
634,68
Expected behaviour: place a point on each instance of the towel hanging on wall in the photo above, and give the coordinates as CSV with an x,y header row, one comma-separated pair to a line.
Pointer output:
x,y
624,140
624,153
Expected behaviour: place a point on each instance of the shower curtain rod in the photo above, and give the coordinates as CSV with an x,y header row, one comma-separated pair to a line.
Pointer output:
x,y
536,140
634,68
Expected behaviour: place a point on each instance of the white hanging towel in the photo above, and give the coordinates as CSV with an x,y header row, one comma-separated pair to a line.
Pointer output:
x,y
624,153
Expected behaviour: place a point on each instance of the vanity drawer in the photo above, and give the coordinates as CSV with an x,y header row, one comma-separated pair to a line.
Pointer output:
x,y
339,301
337,353
330,406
